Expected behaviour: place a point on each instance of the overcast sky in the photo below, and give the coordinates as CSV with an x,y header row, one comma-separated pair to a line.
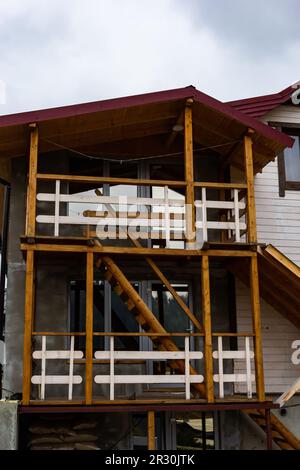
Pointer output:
x,y
56,52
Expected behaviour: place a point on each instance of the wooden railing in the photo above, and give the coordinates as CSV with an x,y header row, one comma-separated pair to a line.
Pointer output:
x,y
149,217
111,357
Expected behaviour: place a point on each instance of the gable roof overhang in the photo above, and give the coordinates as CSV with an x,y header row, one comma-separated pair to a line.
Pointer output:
x,y
259,106
215,124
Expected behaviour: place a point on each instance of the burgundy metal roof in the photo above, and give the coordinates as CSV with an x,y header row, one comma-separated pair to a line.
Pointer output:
x,y
258,106
226,109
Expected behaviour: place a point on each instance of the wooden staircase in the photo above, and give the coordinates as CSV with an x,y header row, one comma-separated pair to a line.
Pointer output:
x,y
143,315
284,438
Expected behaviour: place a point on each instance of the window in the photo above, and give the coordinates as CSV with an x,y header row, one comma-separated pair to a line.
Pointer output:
x,y
289,165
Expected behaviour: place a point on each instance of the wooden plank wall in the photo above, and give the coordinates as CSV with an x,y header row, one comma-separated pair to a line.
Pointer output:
x,y
278,218
277,337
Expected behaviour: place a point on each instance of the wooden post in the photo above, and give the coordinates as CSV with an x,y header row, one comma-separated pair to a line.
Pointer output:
x,y
189,169
206,312
151,430
32,181
268,429
29,312
89,328
251,215
258,353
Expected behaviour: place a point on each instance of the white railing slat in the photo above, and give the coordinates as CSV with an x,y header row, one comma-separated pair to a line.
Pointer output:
x,y
56,379
71,369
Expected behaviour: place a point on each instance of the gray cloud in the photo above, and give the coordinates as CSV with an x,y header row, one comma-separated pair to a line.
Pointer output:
x,y
256,28
68,51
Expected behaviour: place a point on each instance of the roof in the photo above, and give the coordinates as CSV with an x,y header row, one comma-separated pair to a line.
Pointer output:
x,y
258,106
215,123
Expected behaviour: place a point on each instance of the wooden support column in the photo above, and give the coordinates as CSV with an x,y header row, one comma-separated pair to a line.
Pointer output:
x,y
151,430
268,429
32,181
89,328
28,325
251,215
206,312
258,352
189,167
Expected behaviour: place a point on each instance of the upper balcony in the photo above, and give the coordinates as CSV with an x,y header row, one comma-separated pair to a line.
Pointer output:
x,y
147,212
195,160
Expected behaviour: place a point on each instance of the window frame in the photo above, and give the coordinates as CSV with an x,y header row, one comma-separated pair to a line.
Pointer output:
x,y
284,184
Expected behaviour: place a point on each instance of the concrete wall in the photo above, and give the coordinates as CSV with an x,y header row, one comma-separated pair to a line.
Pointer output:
x,y
8,425
14,323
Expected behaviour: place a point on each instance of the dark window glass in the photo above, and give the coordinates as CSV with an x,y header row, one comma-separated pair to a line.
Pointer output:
x,y
292,161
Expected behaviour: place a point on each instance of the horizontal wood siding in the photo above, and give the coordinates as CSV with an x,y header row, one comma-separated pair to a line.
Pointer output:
x,y
278,218
283,114
277,335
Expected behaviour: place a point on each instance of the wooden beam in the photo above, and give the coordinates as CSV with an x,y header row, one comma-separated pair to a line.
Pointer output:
x,y
189,170
32,181
251,215
151,430
281,259
289,393
175,132
206,312
28,326
89,328
258,352
111,180
199,184
269,441
229,156
118,250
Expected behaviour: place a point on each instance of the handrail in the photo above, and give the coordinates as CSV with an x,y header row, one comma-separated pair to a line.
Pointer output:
x,y
138,181
110,180
135,333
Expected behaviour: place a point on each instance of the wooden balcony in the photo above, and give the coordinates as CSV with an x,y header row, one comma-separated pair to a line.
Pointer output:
x,y
135,370
220,213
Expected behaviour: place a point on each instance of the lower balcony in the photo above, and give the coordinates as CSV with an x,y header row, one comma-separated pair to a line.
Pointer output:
x,y
62,373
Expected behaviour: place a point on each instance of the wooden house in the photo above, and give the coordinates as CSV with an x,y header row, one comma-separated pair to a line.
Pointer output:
x,y
149,269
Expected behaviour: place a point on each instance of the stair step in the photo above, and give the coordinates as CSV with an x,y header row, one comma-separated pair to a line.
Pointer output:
x,y
118,290
130,304
108,276
285,445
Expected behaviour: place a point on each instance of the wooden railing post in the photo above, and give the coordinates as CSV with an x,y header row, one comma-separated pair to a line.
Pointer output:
x,y
206,312
189,169
251,215
28,325
32,181
151,430
255,304
89,328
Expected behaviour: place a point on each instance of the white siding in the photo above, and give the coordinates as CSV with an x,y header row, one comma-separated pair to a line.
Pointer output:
x,y
277,335
284,114
278,223
278,218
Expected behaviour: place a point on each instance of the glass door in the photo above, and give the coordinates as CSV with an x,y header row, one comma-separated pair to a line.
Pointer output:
x,y
173,319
